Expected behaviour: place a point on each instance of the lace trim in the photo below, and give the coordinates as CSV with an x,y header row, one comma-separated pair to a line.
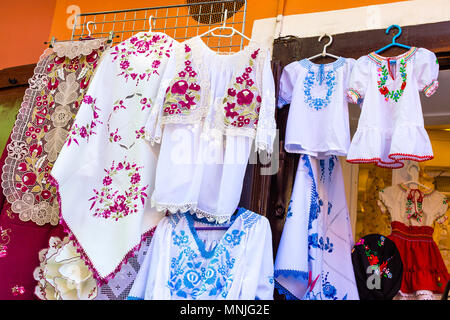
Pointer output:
x,y
39,132
130,254
219,218
396,158
196,117
72,49
283,291
418,295
173,208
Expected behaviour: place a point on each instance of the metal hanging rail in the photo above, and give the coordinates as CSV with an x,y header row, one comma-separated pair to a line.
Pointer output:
x,y
181,22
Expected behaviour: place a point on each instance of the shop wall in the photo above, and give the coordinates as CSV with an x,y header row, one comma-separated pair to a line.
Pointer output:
x,y
255,11
313,19
24,26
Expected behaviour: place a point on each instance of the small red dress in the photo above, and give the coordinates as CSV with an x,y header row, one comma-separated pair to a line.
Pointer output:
x,y
413,213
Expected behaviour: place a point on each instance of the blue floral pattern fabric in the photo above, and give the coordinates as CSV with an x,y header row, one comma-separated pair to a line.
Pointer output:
x,y
314,256
204,269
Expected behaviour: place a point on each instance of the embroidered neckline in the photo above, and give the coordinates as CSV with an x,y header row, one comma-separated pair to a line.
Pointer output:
x,y
384,73
425,191
335,64
379,59
190,218
414,201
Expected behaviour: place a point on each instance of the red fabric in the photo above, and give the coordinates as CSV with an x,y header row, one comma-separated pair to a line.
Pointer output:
x,y
21,243
423,266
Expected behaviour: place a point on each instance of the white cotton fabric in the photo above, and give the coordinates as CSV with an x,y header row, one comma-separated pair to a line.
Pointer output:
x,y
185,263
313,260
318,120
105,158
391,128
201,166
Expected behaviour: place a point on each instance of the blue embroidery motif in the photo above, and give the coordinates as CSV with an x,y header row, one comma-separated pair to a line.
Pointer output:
x,y
310,80
331,163
234,238
191,275
322,170
289,211
210,272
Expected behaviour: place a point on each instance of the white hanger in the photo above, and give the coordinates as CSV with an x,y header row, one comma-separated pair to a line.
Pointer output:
x,y
150,23
87,27
324,52
414,181
224,27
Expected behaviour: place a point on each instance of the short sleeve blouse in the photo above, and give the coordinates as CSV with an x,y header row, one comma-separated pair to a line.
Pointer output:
x,y
388,90
318,120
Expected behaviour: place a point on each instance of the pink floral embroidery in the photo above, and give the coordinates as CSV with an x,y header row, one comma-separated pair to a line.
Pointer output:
x,y
145,45
114,136
242,108
17,290
109,202
180,87
183,94
146,103
140,134
84,132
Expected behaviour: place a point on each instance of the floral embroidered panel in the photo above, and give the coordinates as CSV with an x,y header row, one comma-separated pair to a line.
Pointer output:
x,y
47,112
106,169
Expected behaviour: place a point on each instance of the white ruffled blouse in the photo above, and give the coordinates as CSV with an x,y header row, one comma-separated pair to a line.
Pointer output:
x,y
210,109
391,127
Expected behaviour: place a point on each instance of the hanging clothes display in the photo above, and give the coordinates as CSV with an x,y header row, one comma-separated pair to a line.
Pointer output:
x,y
318,121
391,127
313,260
105,171
184,263
210,110
378,267
30,214
413,213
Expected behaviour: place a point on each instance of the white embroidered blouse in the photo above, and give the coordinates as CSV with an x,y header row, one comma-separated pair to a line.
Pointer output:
x,y
413,207
106,169
318,120
391,127
210,110
184,262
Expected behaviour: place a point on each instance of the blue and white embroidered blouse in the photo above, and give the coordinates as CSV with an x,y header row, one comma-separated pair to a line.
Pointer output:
x,y
318,121
186,263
